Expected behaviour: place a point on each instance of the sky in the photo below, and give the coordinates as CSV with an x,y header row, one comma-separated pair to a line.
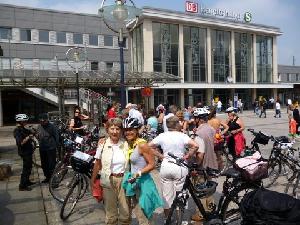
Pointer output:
x,y
283,14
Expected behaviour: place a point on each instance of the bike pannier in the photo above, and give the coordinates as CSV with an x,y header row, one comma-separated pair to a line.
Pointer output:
x,y
253,167
261,138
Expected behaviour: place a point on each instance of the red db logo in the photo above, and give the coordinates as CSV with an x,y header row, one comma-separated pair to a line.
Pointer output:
x,y
191,7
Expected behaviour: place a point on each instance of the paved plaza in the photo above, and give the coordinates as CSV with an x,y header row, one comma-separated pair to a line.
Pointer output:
x,y
39,208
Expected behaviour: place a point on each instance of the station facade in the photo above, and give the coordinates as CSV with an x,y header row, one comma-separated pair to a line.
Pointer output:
x,y
214,57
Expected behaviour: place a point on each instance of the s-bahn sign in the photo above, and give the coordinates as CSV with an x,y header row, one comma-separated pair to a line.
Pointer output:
x,y
194,7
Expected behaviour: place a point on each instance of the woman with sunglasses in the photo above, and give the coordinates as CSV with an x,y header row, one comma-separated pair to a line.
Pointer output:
x,y
138,183
76,124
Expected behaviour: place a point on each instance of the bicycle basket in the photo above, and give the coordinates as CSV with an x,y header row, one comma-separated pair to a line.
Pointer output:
x,y
205,189
81,162
252,171
261,138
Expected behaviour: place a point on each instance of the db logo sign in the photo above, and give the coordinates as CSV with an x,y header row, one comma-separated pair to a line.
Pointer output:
x,y
191,7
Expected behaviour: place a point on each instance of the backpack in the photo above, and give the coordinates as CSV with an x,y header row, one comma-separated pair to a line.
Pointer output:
x,y
267,207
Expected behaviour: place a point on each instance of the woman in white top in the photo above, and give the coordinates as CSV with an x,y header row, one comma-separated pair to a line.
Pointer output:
x,y
110,159
173,176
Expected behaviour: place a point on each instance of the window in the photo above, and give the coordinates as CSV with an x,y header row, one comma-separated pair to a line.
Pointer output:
x,y
264,58
94,65
243,57
77,39
25,34
165,48
61,37
44,36
220,45
109,66
108,40
194,54
138,49
5,33
93,39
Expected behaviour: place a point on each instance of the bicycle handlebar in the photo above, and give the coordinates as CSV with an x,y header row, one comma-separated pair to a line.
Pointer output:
x,y
208,171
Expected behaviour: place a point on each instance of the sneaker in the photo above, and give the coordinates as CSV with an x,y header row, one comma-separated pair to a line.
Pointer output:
x,y
197,217
25,188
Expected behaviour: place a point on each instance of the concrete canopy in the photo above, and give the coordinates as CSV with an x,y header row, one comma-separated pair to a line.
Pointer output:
x,y
67,79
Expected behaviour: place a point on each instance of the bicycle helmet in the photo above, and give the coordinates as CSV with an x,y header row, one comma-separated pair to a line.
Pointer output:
x,y
206,189
200,112
21,118
131,122
230,109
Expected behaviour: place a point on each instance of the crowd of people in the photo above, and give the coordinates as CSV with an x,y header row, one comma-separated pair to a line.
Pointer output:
x,y
125,161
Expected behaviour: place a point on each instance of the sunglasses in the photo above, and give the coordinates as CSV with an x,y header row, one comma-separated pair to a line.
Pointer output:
x,y
77,112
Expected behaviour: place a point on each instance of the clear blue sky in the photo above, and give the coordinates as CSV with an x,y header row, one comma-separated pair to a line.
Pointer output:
x,y
279,13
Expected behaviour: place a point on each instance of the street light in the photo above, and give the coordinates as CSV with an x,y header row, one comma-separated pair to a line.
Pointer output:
x,y
74,60
120,13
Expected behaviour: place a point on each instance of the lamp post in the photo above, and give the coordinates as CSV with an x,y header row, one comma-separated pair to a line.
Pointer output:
x,y
74,60
120,13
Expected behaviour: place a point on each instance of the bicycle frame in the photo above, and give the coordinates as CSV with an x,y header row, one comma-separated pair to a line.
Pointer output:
x,y
230,190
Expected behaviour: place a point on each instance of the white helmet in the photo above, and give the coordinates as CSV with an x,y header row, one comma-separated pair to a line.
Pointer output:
x,y
230,109
21,118
201,112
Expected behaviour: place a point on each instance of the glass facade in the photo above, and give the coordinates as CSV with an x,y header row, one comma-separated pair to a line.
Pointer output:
x,y
194,40
243,57
264,58
138,49
165,48
220,56
169,96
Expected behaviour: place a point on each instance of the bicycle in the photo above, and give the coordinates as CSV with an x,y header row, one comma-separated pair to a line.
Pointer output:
x,y
82,165
227,210
63,174
226,158
282,157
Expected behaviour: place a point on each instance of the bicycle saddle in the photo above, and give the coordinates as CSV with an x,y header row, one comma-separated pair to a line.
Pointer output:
x,y
231,173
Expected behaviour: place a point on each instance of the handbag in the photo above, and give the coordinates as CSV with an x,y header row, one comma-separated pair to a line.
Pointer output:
x,y
98,190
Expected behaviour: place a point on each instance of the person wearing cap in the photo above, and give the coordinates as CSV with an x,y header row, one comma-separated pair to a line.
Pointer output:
x,y
236,141
206,155
24,141
48,137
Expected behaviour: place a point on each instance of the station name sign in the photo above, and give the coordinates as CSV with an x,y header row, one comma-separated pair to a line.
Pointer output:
x,y
194,7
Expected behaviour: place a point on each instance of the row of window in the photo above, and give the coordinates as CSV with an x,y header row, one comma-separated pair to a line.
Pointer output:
x,y
166,54
289,77
61,37
44,64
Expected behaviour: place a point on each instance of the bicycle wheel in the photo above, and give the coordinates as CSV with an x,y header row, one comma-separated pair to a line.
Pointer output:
x,y
296,191
71,199
230,210
274,171
293,181
223,161
84,185
175,216
60,182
